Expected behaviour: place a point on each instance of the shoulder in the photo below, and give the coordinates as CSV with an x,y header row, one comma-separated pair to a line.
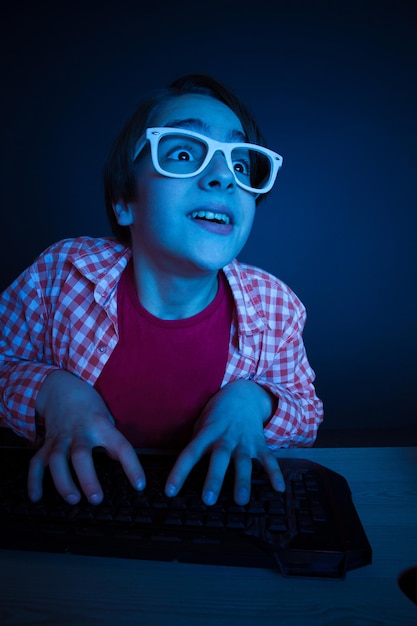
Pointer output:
x,y
77,247
260,295
92,257
262,285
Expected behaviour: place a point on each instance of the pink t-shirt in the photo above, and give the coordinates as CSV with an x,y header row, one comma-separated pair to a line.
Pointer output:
x,y
162,372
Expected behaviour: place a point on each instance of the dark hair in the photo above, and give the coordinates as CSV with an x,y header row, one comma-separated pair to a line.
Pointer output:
x,y
119,170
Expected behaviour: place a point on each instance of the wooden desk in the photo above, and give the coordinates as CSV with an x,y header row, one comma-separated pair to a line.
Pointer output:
x,y
72,590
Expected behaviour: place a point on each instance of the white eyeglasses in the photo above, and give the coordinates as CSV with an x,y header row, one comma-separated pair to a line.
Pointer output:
x,y
182,153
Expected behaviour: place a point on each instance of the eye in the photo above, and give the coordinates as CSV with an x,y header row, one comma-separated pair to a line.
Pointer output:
x,y
242,161
181,154
177,153
184,151
242,167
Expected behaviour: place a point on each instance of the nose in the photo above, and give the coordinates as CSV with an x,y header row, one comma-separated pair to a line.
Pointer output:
x,y
217,174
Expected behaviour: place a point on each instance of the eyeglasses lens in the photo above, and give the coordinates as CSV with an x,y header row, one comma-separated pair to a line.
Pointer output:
x,y
180,154
252,167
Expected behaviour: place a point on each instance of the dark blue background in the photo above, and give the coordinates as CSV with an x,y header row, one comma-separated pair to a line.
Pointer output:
x,y
333,85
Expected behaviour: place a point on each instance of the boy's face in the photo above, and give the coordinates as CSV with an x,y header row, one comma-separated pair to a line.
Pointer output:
x,y
165,228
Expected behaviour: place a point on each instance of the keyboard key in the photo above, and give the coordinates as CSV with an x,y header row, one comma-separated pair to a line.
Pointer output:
x,y
144,515
174,518
193,519
277,524
215,519
235,520
124,514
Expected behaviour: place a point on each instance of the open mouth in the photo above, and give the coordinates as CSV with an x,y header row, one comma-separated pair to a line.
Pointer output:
x,y
210,216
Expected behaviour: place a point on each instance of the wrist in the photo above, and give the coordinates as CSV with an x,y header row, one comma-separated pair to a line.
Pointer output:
x,y
262,398
41,397
270,402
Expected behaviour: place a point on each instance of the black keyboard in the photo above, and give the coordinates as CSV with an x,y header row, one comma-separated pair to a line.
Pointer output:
x,y
311,530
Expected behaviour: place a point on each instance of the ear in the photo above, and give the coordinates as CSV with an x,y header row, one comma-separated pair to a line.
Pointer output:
x,y
123,212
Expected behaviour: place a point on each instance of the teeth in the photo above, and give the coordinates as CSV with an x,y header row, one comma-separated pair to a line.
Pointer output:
x,y
210,215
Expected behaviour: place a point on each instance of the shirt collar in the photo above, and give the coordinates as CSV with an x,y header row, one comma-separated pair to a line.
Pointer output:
x,y
250,313
105,259
102,263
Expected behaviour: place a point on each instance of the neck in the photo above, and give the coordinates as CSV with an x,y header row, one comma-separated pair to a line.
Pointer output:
x,y
170,296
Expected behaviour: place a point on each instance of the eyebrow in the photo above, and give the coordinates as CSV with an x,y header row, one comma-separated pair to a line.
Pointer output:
x,y
199,126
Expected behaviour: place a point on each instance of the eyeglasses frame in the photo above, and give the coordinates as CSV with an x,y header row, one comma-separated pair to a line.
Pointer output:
x,y
154,134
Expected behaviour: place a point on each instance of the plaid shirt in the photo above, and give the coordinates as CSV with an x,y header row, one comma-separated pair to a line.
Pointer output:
x,y
61,312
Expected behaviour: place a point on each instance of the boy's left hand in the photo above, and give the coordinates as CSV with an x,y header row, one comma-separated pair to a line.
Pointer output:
x,y
231,427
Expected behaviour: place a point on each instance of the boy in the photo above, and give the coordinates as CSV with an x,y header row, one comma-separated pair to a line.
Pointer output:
x,y
160,338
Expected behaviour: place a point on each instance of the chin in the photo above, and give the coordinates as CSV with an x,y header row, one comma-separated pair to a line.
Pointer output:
x,y
214,263
214,257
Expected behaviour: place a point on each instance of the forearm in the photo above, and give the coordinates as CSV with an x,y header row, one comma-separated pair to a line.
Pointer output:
x,y
20,383
23,363
296,419
299,411
250,393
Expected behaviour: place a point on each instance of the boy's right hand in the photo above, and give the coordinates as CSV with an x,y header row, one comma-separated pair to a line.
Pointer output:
x,y
76,421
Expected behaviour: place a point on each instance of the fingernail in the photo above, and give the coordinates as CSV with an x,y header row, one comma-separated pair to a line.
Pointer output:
x,y
72,498
280,486
170,490
209,497
35,496
242,495
140,484
95,498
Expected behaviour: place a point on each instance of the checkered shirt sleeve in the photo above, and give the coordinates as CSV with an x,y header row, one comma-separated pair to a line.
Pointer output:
x,y
49,319
267,347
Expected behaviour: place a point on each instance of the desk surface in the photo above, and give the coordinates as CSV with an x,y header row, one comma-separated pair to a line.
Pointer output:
x,y
57,590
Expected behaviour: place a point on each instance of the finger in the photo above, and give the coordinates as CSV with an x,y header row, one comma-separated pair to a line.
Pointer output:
x,y
124,452
58,461
82,461
185,462
35,477
271,466
243,474
219,462
61,475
